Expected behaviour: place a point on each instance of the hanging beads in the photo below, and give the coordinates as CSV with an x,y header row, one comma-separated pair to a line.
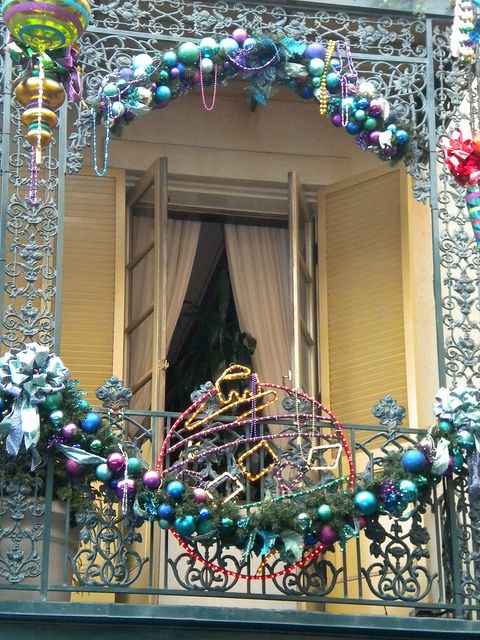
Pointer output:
x,y
323,82
108,110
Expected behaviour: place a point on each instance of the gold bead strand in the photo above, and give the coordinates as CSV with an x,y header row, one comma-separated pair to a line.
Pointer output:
x,y
323,81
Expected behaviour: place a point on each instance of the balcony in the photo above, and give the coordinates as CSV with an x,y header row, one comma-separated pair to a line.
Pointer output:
x,y
411,576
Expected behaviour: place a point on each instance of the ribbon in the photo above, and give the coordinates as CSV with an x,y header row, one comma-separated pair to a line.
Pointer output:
x,y
462,158
29,375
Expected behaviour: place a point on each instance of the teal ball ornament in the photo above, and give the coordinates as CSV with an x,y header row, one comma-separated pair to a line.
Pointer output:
x,y
209,47
162,94
408,490
175,489
401,137
360,115
332,81
458,461
170,58
229,46
53,401
134,467
96,446
57,419
226,525
118,109
316,67
348,104
304,522
324,513
422,481
205,526
91,422
83,405
103,473
444,426
365,503
414,461
466,440
184,526
362,103
110,90
370,124
163,76
188,53
164,524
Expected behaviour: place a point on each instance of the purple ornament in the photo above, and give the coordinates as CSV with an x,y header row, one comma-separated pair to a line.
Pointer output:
x,y
374,137
351,89
361,522
375,108
336,120
196,77
315,50
174,72
126,73
151,480
125,486
327,535
69,430
115,462
73,468
199,495
239,35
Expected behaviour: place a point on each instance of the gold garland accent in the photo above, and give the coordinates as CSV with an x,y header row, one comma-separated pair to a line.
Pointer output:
x,y
323,81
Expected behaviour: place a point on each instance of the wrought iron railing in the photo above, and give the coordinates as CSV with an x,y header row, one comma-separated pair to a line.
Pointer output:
x,y
427,563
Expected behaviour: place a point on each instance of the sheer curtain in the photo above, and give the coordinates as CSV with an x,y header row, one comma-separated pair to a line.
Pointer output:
x,y
258,262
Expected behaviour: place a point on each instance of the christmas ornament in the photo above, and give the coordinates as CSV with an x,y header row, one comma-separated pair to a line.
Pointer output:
x,y
116,462
165,512
325,513
408,490
365,502
414,461
175,489
91,422
103,473
151,480
184,526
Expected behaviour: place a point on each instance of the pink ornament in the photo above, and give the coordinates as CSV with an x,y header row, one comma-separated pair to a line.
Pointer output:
x,y
127,486
196,76
115,462
327,535
151,480
73,468
374,137
199,495
239,35
361,522
375,108
351,89
69,430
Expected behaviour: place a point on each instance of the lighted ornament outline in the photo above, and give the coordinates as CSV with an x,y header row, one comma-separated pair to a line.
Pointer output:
x,y
328,417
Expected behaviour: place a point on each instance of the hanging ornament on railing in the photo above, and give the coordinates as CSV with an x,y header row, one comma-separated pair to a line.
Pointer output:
x,y
37,29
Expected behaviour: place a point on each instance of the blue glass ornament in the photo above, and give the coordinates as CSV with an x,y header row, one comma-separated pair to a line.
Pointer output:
x,y
352,128
162,94
408,490
310,539
332,81
444,426
103,473
365,502
391,502
175,489
401,136
91,422
335,63
203,513
165,512
362,103
184,526
305,92
414,461
170,58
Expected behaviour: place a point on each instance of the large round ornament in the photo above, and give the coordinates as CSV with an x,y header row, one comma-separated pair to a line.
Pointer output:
x,y
73,468
466,440
116,462
184,526
103,473
151,480
316,67
314,50
165,512
408,490
229,46
365,502
188,53
209,47
91,422
414,461
175,489
53,401
324,513
49,24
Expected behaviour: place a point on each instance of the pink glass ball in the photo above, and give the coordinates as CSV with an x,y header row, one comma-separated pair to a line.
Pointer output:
x,y
239,35
199,495
73,468
127,486
69,430
327,535
375,108
374,137
115,462
151,480
361,522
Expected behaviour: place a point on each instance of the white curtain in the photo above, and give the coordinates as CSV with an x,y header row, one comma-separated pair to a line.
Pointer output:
x,y
182,240
258,263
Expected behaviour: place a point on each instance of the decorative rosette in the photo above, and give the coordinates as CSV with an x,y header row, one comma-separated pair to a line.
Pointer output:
x,y
29,375
462,158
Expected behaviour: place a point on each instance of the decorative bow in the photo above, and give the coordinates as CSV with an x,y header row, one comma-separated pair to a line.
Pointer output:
x,y
462,158
29,375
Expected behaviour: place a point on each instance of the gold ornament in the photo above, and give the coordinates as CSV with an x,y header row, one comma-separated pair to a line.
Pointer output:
x,y
263,444
323,99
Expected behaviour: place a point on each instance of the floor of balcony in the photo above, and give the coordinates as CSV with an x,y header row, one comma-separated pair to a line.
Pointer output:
x,y
74,621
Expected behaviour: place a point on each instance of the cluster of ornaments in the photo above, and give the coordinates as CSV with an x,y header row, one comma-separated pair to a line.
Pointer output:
x,y
313,71
461,44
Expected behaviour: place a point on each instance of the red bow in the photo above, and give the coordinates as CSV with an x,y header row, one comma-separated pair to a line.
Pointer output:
x,y
462,157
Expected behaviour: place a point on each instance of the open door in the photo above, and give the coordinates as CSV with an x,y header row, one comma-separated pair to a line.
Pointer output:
x,y
303,282
146,280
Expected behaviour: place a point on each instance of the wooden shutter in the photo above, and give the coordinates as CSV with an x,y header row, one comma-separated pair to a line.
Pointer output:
x,y
93,234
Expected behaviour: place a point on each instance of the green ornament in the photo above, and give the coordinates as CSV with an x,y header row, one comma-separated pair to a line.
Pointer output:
x,y
110,90
303,522
324,513
466,440
188,53
316,81
360,114
408,490
96,446
134,467
370,124
56,419
205,526
444,426
226,525
421,481
53,401
163,76
316,67
83,405
457,462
